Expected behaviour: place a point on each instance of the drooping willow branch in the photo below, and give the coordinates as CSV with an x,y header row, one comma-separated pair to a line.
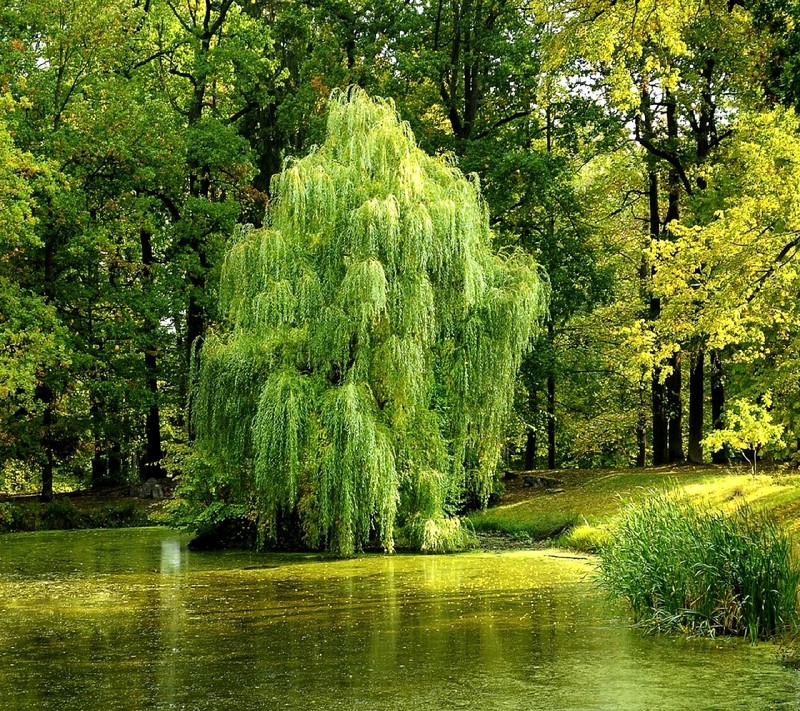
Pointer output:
x,y
371,337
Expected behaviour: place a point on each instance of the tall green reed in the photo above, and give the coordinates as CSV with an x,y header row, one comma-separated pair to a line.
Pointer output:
x,y
684,566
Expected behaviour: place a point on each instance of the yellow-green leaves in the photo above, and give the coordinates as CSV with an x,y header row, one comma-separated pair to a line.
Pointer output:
x,y
732,279
748,428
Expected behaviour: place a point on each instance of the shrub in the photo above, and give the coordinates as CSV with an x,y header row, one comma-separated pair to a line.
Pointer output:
x,y
437,534
6,517
584,538
681,566
117,515
60,514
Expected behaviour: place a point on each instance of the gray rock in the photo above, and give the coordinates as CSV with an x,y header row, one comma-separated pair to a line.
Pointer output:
x,y
146,491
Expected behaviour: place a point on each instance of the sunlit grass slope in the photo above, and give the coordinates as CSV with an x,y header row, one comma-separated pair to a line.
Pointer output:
x,y
578,516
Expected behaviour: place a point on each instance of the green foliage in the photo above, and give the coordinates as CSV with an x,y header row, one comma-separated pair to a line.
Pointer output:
x,y
371,337
680,566
437,534
63,513
585,538
748,429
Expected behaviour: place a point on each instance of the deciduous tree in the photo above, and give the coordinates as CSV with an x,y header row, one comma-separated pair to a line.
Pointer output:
x,y
372,340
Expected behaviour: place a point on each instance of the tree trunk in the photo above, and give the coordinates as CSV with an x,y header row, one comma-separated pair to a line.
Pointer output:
x,y
151,466
659,421
551,375
115,461
49,460
641,430
151,463
659,400
99,461
675,411
199,186
551,421
531,441
44,392
696,398
530,449
717,403
674,381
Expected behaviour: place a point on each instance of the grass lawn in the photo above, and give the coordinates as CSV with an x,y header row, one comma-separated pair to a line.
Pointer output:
x,y
579,516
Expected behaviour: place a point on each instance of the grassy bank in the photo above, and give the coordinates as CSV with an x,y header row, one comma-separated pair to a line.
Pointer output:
x,y
27,514
578,512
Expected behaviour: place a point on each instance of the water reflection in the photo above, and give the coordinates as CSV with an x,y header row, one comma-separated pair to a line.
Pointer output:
x,y
132,620
171,556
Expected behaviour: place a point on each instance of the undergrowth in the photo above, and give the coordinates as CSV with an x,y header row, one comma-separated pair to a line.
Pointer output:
x,y
64,514
437,534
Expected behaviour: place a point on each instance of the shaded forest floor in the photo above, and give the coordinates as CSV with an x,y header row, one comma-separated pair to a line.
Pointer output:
x,y
108,508
577,508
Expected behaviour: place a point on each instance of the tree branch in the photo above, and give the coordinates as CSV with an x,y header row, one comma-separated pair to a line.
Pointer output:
x,y
503,121
673,160
223,12
186,26
246,109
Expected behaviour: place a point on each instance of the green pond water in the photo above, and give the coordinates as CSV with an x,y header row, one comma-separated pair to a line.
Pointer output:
x,y
130,619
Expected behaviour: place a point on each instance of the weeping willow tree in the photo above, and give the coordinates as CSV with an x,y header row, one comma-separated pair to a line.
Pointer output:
x,y
370,342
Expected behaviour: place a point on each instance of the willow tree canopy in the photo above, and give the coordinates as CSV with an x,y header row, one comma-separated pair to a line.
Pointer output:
x,y
371,339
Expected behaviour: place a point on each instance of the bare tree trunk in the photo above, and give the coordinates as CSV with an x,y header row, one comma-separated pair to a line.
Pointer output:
x,y
696,398
531,440
717,403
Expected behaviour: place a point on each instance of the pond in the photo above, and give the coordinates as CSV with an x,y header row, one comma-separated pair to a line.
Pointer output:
x,y
130,619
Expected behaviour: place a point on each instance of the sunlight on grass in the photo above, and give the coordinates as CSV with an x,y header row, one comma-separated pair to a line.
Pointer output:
x,y
592,499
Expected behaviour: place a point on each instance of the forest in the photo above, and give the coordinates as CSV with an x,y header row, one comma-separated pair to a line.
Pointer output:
x,y
637,161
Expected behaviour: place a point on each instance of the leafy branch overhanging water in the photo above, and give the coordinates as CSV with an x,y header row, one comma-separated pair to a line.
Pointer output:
x,y
370,342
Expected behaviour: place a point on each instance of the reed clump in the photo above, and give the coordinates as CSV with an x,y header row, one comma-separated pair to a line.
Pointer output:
x,y
682,566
